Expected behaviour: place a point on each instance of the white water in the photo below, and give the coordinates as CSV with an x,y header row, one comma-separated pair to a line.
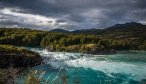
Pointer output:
x,y
133,70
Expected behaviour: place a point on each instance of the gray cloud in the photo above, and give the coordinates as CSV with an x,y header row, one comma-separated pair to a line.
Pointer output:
x,y
71,14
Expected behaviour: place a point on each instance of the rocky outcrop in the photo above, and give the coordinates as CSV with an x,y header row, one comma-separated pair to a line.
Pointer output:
x,y
18,60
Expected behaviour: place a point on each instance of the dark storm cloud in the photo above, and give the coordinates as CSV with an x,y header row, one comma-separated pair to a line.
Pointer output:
x,y
71,14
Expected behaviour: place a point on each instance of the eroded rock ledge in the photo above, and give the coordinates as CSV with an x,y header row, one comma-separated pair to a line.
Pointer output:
x,y
18,60
17,57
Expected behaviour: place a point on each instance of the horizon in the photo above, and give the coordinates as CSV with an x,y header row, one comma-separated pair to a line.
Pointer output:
x,y
70,15
69,30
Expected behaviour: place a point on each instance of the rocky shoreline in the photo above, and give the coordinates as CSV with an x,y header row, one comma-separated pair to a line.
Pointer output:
x,y
18,60
11,65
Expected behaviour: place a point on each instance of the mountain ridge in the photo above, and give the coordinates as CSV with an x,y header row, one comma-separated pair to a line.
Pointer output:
x,y
123,27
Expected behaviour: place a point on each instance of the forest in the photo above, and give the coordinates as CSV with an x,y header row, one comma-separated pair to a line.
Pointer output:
x,y
129,37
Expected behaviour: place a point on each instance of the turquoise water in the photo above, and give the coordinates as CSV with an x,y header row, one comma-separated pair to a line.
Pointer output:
x,y
127,67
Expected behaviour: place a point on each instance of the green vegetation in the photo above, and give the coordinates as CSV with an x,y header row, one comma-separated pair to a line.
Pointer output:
x,y
9,49
130,36
21,37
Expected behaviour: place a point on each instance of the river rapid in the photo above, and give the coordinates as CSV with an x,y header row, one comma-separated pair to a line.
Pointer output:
x,y
126,67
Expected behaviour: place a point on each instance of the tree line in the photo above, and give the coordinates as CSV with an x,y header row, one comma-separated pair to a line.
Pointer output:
x,y
68,42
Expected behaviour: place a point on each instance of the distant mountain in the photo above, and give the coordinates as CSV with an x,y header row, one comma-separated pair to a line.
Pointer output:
x,y
59,31
131,24
83,31
127,27
87,31
131,29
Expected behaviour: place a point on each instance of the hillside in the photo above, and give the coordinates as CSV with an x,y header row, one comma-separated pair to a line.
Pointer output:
x,y
129,36
131,29
128,30
59,31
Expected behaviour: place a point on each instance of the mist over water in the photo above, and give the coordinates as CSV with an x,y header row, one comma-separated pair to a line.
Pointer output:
x,y
127,67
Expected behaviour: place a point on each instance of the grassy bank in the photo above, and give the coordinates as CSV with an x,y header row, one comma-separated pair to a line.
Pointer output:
x,y
9,49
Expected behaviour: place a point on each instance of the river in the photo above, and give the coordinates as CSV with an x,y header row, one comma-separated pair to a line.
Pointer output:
x,y
126,67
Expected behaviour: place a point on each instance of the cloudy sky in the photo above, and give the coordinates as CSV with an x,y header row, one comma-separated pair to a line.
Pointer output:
x,y
70,14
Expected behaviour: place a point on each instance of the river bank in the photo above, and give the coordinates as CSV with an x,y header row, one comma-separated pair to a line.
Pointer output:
x,y
14,60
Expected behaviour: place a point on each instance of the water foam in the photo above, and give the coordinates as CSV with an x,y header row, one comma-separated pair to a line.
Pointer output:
x,y
135,71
